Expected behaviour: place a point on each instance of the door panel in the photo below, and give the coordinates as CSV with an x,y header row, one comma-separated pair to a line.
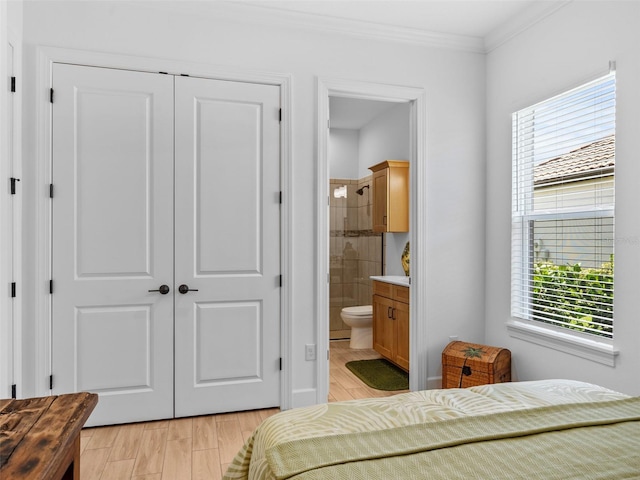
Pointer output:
x,y
213,342
227,246
402,334
99,335
380,206
113,240
113,151
228,175
383,326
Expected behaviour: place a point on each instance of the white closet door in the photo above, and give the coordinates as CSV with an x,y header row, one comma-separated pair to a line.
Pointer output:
x,y
227,237
113,240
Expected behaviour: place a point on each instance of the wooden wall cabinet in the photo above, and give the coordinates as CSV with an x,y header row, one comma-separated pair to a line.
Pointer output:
x,y
390,196
391,322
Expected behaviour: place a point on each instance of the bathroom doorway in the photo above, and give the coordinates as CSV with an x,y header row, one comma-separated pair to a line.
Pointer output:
x,y
415,99
362,133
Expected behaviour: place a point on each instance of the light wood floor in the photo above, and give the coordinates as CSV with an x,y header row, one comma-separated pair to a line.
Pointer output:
x,y
344,385
199,447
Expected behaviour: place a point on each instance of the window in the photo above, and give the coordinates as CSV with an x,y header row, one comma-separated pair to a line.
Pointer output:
x,y
562,230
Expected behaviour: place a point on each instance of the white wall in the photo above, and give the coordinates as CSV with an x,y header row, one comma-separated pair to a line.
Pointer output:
x,y
386,137
454,86
343,151
564,50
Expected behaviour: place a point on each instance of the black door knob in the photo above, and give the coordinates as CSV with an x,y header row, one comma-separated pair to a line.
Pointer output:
x,y
185,288
164,289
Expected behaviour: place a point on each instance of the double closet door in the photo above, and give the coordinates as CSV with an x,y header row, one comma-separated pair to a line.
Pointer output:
x,y
165,243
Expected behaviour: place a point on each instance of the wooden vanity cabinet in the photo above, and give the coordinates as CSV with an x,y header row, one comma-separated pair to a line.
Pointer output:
x,y
390,190
391,322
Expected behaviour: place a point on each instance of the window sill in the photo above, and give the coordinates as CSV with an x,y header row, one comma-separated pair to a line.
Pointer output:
x,y
596,351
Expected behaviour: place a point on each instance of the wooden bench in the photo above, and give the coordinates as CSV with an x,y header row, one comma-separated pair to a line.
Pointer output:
x,y
40,437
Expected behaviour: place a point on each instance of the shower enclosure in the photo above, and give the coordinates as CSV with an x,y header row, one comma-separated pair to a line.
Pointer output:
x,y
355,251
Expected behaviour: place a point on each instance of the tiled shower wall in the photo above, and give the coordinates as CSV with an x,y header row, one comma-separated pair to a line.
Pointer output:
x,y
355,251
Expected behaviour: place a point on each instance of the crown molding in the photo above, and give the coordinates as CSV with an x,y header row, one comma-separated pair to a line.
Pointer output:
x,y
367,30
254,13
536,12
257,14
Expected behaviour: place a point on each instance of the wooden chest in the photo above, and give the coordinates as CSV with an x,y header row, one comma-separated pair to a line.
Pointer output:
x,y
469,364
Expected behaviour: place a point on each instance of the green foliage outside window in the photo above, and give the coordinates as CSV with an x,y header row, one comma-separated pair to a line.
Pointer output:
x,y
574,297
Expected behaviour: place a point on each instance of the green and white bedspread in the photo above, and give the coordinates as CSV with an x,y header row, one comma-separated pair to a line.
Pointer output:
x,y
545,429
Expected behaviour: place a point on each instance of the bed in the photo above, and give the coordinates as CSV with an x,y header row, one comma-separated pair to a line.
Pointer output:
x,y
552,429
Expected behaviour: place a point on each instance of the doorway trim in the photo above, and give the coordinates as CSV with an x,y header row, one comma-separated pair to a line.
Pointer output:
x,y
333,87
46,57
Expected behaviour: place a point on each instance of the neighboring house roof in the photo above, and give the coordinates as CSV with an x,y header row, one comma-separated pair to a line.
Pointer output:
x,y
594,159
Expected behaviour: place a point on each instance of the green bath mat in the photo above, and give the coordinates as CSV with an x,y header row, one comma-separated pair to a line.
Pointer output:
x,y
380,374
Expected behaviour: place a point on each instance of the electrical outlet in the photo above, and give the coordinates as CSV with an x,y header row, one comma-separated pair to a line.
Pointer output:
x,y
310,351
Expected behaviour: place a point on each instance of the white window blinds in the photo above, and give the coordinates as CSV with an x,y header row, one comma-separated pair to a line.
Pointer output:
x,y
562,233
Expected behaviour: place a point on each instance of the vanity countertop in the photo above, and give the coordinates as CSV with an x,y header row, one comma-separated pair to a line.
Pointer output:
x,y
394,279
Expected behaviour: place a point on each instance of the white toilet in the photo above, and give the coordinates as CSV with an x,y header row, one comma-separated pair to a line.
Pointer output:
x,y
360,320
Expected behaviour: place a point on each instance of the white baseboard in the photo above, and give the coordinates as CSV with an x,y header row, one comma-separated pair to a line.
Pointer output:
x,y
434,383
304,397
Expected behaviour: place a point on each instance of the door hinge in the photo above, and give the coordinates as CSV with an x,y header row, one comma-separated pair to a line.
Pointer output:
x,y
51,190
14,394
50,287
13,289
13,185
280,115
50,382
13,84
280,279
51,95
280,363
280,199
